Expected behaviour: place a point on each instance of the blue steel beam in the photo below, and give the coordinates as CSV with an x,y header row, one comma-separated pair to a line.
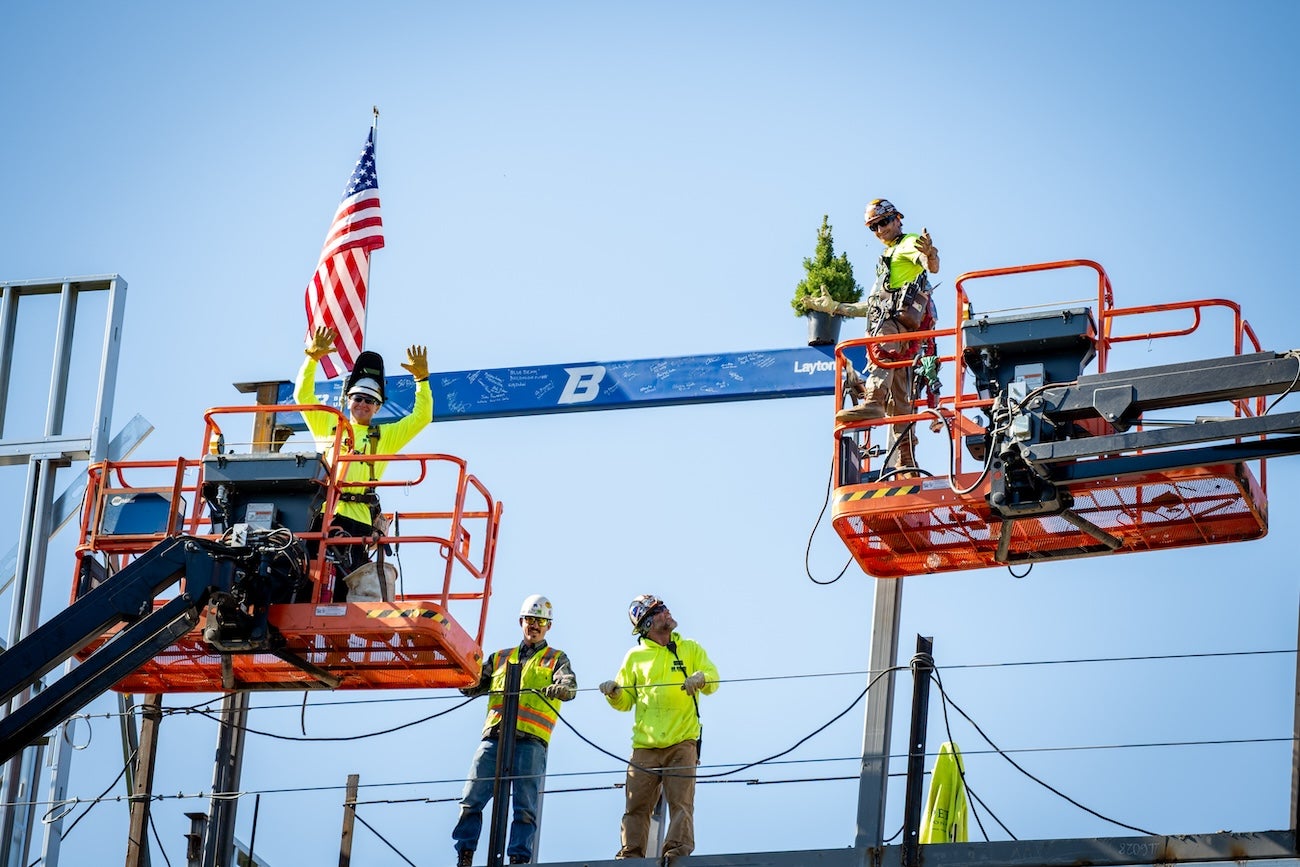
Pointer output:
x,y
599,385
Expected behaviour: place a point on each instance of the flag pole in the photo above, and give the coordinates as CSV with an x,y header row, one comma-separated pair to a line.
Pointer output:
x,y
365,312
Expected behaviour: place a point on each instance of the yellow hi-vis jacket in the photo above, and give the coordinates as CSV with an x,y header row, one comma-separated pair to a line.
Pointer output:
x,y
944,820
383,439
536,715
651,681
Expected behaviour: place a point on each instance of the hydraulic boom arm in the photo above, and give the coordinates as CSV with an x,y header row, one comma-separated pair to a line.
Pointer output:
x,y
126,597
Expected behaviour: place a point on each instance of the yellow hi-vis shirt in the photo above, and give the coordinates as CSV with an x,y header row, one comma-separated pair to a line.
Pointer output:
x,y
651,681
944,820
905,261
390,439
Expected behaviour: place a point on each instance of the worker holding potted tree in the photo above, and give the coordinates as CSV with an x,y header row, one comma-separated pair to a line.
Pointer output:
x,y
899,302
829,274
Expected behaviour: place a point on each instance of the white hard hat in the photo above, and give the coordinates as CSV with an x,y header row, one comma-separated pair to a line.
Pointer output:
x,y
367,386
537,606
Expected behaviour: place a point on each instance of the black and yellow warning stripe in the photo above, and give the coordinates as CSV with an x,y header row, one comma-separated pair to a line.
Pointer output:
x,y
385,613
877,493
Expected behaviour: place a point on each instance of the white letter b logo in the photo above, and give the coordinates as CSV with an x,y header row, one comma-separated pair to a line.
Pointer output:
x,y
583,384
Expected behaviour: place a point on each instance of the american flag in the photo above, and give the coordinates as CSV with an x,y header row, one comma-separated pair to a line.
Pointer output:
x,y
336,295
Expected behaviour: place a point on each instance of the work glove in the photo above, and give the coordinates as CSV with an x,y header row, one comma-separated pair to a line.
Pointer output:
x,y
417,363
611,688
822,302
927,366
694,683
925,245
322,342
557,691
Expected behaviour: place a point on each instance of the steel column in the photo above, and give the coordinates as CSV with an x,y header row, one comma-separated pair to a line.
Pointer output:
x,y
880,708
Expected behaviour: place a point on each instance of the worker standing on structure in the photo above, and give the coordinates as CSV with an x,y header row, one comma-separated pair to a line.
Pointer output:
x,y
666,734
900,301
358,508
546,678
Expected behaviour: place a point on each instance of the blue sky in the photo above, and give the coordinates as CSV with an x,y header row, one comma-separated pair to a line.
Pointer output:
x,y
583,181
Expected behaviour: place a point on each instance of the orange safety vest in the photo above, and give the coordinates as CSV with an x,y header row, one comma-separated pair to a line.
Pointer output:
x,y
536,717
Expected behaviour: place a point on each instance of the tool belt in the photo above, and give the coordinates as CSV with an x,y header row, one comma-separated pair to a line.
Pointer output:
x,y
910,306
377,520
907,305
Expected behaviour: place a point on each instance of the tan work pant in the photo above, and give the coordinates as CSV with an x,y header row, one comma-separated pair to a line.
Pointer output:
x,y
677,781
890,388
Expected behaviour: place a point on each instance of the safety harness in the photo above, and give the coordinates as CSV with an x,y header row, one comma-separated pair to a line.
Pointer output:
x,y
678,665
910,305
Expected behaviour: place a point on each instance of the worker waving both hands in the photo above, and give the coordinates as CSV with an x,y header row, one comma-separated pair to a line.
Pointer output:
x,y
900,301
358,509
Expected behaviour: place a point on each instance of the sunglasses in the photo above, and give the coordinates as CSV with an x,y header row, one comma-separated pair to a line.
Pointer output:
x,y
876,227
536,621
363,398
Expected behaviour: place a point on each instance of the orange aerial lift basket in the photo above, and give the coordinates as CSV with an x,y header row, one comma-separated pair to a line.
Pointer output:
x,y
417,613
1068,465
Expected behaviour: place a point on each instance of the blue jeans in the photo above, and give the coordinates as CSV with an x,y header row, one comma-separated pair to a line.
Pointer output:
x,y
528,771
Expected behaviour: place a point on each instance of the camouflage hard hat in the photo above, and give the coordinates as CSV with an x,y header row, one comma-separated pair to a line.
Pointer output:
x,y
880,210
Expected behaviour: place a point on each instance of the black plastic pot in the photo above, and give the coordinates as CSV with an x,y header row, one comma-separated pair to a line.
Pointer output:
x,y
823,328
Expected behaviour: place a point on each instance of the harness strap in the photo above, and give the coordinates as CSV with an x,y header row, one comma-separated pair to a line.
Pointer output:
x,y
699,742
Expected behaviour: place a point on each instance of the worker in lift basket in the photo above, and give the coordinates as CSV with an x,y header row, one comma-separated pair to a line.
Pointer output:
x,y
358,508
661,678
899,301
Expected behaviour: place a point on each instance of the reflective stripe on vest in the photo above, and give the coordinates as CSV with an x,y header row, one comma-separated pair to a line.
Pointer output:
x,y
536,717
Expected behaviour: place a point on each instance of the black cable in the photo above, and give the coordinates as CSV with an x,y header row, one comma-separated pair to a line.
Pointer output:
x,y
340,703
976,796
807,551
1024,574
961,765
386,731
162,850
886,471
384,839
740,768
91,806
1045,785
390,699
1290,388
1147,658
998,750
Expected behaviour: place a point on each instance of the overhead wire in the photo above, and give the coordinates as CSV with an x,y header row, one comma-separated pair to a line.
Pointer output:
x,y
692,773
70,804
192,709
1022,770
162,850
332,738
197,709
382,838
961,769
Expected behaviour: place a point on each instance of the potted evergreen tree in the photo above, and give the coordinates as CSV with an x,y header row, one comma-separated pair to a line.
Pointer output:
x,y
835,275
